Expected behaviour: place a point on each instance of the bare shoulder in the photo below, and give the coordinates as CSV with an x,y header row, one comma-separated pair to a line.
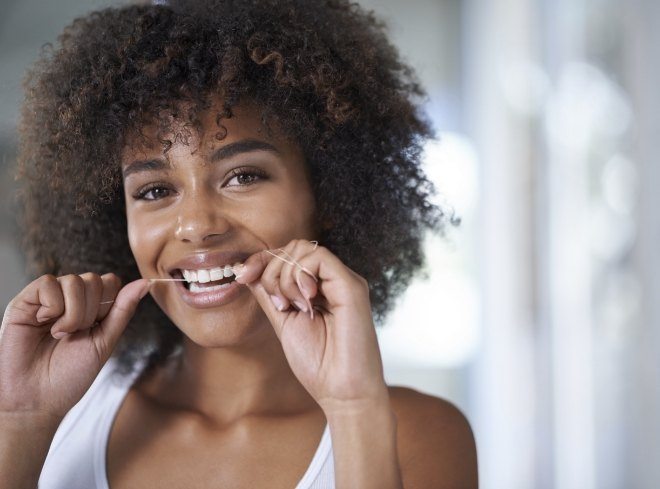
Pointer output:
x,y
436,444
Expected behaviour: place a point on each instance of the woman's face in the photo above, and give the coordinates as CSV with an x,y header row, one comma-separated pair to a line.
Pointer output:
x,y
208,204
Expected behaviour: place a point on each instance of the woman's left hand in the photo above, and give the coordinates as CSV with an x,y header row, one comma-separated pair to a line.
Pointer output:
x,y
332,348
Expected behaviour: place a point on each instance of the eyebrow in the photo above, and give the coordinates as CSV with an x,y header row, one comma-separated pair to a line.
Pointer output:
x,y
223,153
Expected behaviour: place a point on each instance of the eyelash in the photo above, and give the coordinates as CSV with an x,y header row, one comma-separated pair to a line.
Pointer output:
x,y
141,194
237,172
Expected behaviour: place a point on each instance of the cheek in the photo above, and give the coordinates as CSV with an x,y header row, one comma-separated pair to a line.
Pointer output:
x,y
144,239
283,217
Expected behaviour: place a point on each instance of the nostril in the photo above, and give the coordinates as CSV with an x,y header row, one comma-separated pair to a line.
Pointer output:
x,y
196,225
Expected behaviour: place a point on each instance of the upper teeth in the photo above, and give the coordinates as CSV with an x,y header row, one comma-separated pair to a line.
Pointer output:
x,y
211,274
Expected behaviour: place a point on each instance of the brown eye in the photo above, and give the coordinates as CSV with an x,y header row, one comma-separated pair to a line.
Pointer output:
x,y
246,176
154,192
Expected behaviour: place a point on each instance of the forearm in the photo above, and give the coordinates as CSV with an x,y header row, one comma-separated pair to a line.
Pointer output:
x,y
24,443
364,447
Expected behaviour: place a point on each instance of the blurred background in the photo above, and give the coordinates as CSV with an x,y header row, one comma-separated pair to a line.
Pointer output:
x,y
540,318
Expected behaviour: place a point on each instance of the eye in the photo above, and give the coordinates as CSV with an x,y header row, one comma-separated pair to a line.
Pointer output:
x,y
246,176
155,191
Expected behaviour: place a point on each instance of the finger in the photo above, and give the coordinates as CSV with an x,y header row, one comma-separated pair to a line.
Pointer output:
x,y
50,298
270,279
338,284
73,290
111,287
253,267
276,317
41,301
308,287
123,308
287,280
282,303
93,290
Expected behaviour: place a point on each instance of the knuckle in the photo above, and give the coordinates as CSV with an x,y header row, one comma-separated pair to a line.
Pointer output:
x,y
95,283
12,304
112,280
71,280
111,276
90,277
47,281
47,278
47,285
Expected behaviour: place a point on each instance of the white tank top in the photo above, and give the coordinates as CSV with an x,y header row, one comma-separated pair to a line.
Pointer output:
x,y
77,454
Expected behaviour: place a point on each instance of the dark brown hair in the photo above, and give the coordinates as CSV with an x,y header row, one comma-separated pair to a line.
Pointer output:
x,y
322,70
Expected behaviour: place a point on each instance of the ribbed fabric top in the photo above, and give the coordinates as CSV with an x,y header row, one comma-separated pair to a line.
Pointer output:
x,y
76,458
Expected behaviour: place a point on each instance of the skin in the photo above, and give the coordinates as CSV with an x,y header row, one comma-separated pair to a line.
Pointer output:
x,y
255,385
200,209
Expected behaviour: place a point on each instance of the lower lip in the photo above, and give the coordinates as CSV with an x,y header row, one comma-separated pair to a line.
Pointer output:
x,y
212,298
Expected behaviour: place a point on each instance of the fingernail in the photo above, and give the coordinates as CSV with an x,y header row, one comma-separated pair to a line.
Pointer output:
x,y
300,305
304,288
279,305
59,335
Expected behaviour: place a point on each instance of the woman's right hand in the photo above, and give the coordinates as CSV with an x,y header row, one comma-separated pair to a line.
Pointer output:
x,y
46,376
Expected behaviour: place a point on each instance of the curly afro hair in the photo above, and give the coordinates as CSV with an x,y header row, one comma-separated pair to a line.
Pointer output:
x,y
322,70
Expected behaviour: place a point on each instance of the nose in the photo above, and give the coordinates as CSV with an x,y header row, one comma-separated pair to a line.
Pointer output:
x,y
198,220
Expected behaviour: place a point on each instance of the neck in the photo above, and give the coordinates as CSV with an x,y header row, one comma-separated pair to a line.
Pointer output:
x,y
227,384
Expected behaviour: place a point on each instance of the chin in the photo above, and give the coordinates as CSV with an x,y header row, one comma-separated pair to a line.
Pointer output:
x,y
221,330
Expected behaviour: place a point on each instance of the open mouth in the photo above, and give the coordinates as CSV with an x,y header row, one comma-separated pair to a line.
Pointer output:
x,y
205,280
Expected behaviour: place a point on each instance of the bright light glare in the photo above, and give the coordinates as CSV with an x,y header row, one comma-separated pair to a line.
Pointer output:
x,y
436,323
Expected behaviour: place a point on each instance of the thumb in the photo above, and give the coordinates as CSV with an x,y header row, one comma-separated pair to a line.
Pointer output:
x,y
275,316
123,309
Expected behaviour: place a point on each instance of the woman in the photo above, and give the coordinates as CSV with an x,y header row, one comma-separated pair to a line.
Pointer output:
x,y
251,171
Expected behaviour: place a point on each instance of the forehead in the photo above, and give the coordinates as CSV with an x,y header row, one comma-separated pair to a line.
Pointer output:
x,y
179,129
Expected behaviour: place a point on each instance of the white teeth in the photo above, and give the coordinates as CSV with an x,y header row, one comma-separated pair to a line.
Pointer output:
x,y
208,275
216,274
203,276
194,287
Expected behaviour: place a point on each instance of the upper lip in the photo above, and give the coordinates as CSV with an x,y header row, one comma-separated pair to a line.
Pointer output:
x,y
206,260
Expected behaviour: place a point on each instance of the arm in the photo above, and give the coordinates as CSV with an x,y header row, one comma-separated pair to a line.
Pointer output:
x,y
364,444
55,336
334,354
24,443
425,442
436,443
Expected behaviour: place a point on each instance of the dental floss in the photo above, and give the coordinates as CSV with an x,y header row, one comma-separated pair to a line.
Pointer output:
x,y
293,262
